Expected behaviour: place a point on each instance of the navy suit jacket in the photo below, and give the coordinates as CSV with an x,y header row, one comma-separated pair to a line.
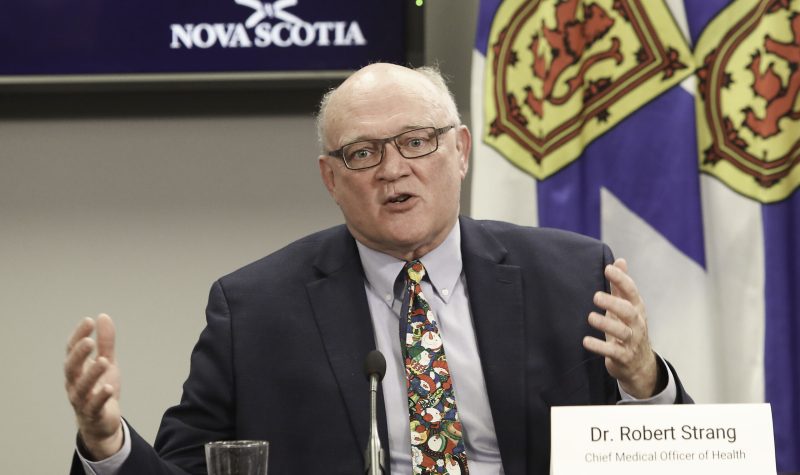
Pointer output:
x,y
282,356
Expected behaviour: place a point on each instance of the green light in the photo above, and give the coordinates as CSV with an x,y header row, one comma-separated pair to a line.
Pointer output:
x,y
419,2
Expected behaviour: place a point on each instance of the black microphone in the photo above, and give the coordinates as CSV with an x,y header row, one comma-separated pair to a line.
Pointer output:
x,y
374,368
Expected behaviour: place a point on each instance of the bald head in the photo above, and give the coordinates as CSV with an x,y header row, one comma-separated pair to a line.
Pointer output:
x,y
377,83
398,205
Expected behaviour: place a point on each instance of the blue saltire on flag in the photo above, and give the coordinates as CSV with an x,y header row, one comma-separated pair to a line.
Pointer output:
x,y
649,162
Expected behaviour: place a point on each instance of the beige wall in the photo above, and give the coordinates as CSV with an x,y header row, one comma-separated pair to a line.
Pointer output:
x,y
134,209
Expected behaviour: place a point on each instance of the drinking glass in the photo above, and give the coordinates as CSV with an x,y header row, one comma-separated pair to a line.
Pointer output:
x,y
237,457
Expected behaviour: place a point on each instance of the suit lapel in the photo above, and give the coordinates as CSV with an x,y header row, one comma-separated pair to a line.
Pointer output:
x,y
340,309
496,301
339,303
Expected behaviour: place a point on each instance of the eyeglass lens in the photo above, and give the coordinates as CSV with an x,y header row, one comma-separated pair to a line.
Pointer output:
x,y
412,144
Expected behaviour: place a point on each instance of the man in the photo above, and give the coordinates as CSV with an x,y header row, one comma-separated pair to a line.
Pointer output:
x,y
515,309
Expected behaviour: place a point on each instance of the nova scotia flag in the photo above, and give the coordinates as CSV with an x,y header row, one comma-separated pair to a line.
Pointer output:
x,y
669,129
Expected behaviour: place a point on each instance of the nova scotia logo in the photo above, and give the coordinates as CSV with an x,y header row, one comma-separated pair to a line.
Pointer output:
x,y
266,10
283,30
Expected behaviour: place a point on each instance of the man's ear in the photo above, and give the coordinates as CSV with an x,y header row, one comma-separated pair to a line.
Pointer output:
x,y
327,175
463,146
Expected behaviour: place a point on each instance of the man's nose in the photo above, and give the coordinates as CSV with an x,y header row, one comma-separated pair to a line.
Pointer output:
x,y
393,165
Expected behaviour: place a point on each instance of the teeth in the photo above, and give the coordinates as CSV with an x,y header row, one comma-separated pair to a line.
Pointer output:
x,y
400,199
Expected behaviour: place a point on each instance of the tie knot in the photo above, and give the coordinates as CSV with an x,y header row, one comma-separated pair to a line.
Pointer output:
x,y
415,271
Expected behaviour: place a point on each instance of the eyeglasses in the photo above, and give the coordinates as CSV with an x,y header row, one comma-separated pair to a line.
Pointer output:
x,y
411,144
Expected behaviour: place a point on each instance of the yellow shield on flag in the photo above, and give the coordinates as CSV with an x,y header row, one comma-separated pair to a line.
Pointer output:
x,y
561,73
748,106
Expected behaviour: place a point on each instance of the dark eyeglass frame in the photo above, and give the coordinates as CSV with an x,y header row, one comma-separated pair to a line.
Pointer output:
x,y
339,153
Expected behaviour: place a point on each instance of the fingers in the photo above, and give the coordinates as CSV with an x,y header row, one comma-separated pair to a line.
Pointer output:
x,y
625,312
85,385
621,263
622,285
620,345
106,333
618,307
95,404
76,357
84,329
626,348
611,327
624,302
614,353
93,386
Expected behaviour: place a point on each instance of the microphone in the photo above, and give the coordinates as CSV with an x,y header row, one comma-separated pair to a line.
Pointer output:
x,y
374,368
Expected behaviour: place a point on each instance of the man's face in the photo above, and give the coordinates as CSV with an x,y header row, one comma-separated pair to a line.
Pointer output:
x,y
402,207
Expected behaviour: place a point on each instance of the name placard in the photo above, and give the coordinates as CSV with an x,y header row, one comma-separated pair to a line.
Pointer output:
x,y
734,439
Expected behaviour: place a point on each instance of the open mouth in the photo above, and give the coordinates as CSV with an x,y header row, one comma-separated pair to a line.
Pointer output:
x,y
398,198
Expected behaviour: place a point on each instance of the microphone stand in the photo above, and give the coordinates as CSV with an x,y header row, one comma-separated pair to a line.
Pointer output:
x,y
375,368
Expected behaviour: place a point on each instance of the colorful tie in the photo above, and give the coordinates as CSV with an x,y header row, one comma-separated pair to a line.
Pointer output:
x,y
437,446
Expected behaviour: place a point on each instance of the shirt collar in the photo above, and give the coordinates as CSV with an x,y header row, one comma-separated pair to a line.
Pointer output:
x,y
442,266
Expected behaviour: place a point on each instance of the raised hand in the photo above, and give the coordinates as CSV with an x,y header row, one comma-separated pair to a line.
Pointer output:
x,y
628,355
93,386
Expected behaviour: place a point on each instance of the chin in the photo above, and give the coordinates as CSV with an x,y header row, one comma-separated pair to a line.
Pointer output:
x,y
404,241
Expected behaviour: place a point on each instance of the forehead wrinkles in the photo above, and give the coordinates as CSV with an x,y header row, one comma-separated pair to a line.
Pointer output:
x,y
377,112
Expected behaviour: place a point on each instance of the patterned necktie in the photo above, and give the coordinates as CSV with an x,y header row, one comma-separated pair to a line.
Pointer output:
x,y
437,446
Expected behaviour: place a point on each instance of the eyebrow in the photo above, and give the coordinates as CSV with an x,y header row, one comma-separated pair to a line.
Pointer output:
x,y
364,138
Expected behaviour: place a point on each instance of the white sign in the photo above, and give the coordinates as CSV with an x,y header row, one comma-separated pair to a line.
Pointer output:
x,y
289,30
730,439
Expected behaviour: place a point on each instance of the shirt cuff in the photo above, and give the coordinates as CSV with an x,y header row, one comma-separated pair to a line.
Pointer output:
x,y
667,396
111,465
